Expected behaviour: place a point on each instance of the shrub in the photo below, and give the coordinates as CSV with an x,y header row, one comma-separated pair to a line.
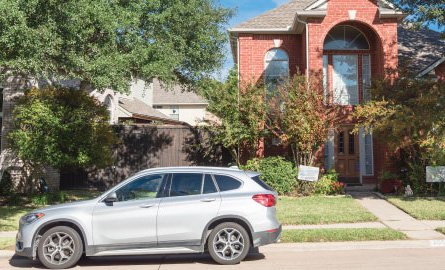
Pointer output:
x,y
6,184
329,184
49,198
277,172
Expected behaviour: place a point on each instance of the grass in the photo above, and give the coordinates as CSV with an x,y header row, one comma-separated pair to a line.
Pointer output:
x,y
10,215
321,210
441,230
424,208
340,235
7,243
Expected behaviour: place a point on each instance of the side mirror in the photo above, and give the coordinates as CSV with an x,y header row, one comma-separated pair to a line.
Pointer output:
x,y
111,198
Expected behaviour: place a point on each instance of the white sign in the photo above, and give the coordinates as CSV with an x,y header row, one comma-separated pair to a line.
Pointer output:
x,y
435,174
310,174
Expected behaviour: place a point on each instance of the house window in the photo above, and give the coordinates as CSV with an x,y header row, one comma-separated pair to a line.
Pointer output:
x,y
366,70
345,37
157,107
276,69
341,143
174,113
351,139
326,77
346,49
369,164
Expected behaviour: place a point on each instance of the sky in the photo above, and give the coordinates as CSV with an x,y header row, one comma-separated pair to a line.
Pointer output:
x,y
244,10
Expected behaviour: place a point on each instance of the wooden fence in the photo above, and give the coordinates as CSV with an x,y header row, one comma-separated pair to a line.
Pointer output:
x,y
144,147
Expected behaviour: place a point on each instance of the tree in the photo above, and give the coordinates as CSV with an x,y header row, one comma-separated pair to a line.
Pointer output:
x,y
408,114
299,115
240,112
423,12
60,127
104,43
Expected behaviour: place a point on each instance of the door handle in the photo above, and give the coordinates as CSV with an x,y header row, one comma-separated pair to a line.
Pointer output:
x,y
146,205
208,200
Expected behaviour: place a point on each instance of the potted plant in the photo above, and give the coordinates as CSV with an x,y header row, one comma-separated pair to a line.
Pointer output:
x,y
389,182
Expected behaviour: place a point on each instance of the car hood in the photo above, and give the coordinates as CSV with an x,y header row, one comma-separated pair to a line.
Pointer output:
x,y
67,205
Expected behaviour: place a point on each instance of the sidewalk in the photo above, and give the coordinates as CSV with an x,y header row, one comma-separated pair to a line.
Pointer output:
x,y
398,220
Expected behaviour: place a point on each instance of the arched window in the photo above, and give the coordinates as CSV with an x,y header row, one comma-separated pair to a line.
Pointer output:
x,y
345,37
110,107
276,68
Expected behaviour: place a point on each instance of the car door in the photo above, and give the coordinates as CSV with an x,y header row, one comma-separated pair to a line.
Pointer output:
x,y
192,200
131,221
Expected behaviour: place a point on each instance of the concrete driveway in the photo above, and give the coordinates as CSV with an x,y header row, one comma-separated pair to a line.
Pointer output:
x,y
328,256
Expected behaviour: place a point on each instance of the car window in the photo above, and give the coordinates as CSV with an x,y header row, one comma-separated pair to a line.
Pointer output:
x,y
209,185
260,182
226,183
145,187
184,184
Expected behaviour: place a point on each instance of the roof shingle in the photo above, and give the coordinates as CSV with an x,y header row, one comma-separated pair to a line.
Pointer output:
x,y
281,17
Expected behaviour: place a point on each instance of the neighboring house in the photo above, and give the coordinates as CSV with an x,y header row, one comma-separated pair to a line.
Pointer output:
x,y
151,102
350,42
145,103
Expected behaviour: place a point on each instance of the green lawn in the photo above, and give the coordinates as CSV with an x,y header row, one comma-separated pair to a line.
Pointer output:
x,y
441,230
321,210
421,207
340,235
7,243
10,215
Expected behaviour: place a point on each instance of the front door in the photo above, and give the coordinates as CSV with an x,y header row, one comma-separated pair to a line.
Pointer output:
x,y
347,155
131,221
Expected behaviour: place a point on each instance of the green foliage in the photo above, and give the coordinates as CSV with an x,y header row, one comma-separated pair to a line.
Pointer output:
x,y
329,184
6,184
49,198
240,113
106,43
61,127
277,172
423,12
300,117
409,114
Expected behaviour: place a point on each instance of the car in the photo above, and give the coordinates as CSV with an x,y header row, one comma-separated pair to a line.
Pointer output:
x,y
223,211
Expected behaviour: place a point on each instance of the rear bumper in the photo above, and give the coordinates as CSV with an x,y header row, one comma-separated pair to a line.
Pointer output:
x,y
266,237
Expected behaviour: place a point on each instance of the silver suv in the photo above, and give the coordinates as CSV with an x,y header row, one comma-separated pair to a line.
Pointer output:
x,y
222,211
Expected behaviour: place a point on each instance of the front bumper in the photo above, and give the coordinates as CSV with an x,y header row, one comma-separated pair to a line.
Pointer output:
x,y
266,237
23,242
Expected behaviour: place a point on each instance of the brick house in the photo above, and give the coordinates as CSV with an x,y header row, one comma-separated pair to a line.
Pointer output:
x,y
350,42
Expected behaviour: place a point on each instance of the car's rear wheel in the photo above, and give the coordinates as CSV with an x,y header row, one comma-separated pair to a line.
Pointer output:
x,y
228,243
60,247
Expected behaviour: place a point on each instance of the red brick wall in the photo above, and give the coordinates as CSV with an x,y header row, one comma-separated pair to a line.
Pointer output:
x,y
253,49
382,34
440,72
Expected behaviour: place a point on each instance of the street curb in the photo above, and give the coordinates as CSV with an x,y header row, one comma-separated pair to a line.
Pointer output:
x,y
367,245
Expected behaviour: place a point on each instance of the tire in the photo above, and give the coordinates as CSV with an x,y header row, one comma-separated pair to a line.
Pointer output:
x,y
228,243
60,247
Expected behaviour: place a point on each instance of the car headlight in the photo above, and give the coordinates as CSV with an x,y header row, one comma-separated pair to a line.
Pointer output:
x,y
30,218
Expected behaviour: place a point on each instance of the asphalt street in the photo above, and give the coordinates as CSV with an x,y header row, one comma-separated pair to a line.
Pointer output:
x,y
272,257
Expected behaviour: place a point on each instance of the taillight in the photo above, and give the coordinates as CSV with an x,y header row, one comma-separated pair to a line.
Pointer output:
x,y
267,200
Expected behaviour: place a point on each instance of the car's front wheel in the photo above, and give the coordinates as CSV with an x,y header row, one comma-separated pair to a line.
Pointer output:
x,y
228,243
60,247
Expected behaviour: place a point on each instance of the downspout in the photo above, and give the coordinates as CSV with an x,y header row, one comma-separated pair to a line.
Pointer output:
x,y
239,84
307,44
